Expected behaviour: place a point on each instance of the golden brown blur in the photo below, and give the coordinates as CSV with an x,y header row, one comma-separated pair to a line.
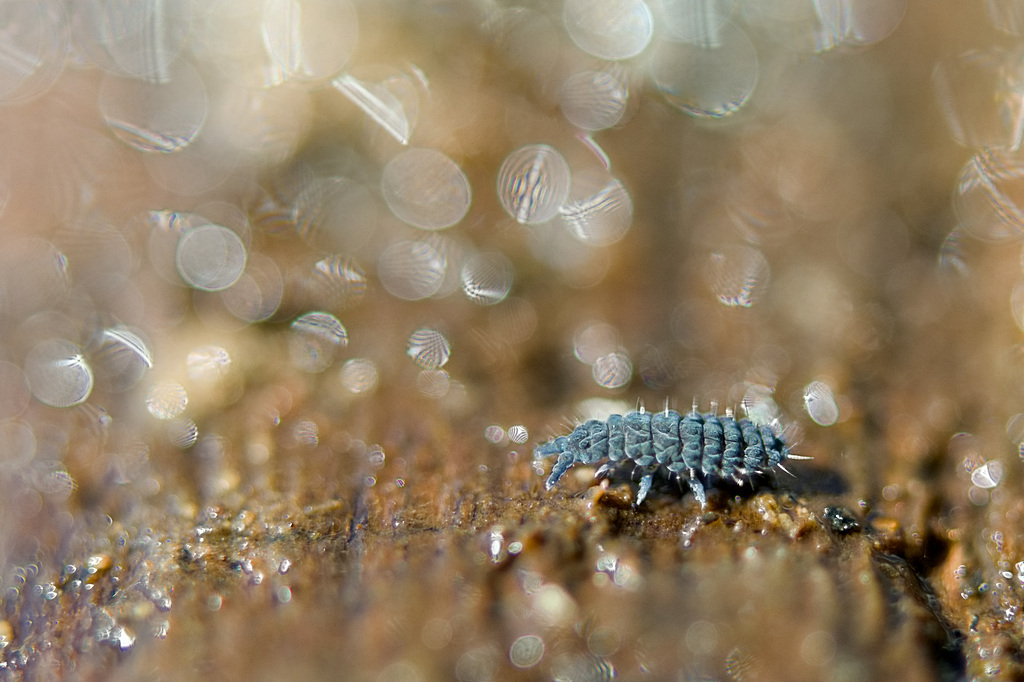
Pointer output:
x,y
290,290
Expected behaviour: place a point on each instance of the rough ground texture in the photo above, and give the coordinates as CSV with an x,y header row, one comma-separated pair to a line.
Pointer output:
x,y
308,525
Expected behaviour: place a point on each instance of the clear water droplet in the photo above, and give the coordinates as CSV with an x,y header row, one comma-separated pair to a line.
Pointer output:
x,y
487,278
315,341
599,210
526,652
359,375
820,403
609,29
309,39
208,363
594,100
182,433
163,116
738,275
210,257
494,434
429,348
58,374
988,475
426,189
433,383
412,270
518,434
695,21
533,182
166,400
710,80
613,370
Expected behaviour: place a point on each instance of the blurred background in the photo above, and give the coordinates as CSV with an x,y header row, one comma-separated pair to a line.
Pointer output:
x,y
290,290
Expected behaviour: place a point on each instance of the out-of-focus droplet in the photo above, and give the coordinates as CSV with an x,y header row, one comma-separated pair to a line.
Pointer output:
x,y
339,281
391,102
518,434
821,403
980,92
609,29
433,383
335,214
599,210
709,80
613,370
1007,15
307,432
526,652
57,373
140,39
159,117
533,182
309,39
426,189
34,276
257,293
951,253
166,400
14,391
494,434
989,196
268,123
594,341
988,475
182,433
487,278
34,37
359,375
131,341
19,443
429,348
514,321
412,270
594,100
857,23
207,363
315,340
210,257
54,481
695,21
738,275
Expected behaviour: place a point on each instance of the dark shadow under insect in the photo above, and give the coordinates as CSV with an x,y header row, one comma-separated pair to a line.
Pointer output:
x,y
701,449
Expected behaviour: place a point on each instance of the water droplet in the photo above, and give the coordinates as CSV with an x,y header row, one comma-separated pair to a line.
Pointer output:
x,y
487,278
738,275
182,433
19,443
710,80
695,21
818,648
987,197
131,341
859,23
58,374
140,39
166,400
309,39
613,370
426,189
609,29
390,102
35,42
307,433
161,116
599,210
988,475
518,434
412,270
359,375
429,348
526,651
210,257
315,341
433,383
494,434
594,341
594,100
339,281
207,363
533,182
821,403
257,294
702,638
979,92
